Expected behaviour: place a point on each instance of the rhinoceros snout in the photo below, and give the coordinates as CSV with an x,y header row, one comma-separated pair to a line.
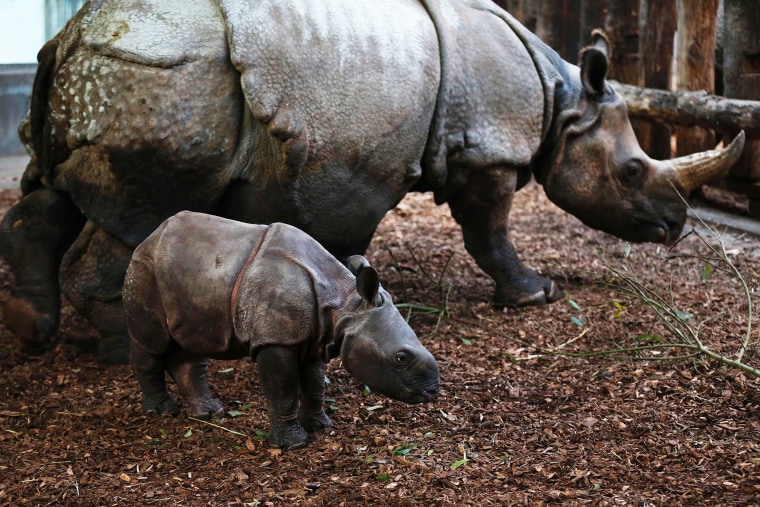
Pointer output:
x,y
426,395
421,387
427,388
431,393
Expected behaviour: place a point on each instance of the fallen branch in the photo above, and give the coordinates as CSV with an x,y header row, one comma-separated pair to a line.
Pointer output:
x,y
688,109
678,323
217,426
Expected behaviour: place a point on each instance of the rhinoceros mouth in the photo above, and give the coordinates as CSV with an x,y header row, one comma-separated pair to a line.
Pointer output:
x,y
661,231
424,395
664,232
414,396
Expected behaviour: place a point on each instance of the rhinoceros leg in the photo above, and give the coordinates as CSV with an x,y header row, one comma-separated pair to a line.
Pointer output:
x,y
279,376
150,372
312,381
33,236
92,274
150,340
189,372
482,210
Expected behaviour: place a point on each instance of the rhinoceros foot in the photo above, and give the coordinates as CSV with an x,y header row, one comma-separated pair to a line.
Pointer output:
x,y
287,437
114,350
35,329
315,422
206,409
163,404
530,289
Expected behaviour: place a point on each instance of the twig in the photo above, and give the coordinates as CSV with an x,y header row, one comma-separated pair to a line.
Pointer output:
x,y
723,255
217,426
438,283
571,340
399,270
402,460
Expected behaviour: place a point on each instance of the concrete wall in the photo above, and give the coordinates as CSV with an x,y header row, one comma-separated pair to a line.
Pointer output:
x,y
22,30
22,34
15,89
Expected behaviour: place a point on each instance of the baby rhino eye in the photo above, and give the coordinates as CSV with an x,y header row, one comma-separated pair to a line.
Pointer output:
x,y
632,172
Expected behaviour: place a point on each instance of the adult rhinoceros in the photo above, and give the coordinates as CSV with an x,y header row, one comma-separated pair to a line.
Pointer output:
x,y
322,114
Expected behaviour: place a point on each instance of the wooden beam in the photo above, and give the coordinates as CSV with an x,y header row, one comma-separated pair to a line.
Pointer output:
x,y
692,108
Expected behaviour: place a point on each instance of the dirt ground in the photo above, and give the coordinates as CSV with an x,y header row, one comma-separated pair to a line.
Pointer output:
x,y
527,414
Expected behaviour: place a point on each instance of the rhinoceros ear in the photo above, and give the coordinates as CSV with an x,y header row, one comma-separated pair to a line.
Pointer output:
x,y
594,64
355,263
367,279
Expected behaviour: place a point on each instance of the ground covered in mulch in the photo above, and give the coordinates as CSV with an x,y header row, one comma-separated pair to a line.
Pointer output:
x,y
533,408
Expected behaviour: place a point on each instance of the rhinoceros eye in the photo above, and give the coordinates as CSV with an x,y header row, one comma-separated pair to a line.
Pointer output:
x,y
632,172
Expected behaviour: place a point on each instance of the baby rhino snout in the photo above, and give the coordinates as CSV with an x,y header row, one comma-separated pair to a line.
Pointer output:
x,y
424,379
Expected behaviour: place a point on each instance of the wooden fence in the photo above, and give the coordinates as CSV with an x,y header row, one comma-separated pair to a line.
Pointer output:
x,y
689,70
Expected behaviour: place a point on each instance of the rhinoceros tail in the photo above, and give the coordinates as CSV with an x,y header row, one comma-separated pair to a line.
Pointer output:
x,y
32,128
434,170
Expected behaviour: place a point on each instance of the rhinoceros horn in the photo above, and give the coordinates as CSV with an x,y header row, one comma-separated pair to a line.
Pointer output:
x,y
699,168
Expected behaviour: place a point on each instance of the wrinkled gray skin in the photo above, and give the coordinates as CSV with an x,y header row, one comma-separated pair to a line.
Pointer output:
x,y
318,113
203,287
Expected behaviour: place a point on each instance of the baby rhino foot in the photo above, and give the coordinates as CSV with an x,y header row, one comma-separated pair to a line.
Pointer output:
x,y
159,405
315,422
206,409
288,437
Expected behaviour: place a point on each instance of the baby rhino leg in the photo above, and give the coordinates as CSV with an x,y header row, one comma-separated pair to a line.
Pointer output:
x,y
150,340
278,372
312,382
150,372
189,372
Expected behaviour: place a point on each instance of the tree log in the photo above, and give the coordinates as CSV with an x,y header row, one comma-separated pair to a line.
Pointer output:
x,y
741,70
622,27
592,16
657,25
697,21
692,109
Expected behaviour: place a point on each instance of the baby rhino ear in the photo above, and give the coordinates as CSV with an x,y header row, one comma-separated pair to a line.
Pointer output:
x,y
594,64
367,279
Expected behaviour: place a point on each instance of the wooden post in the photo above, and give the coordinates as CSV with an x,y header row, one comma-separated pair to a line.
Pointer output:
x,y
657,26
570,30
514,7
522,10
741,70
593,13
547,23
557,24
622,27
697,21
510,5
529,11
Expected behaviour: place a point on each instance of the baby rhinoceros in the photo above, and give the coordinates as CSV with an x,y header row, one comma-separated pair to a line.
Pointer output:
x,y
202,286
